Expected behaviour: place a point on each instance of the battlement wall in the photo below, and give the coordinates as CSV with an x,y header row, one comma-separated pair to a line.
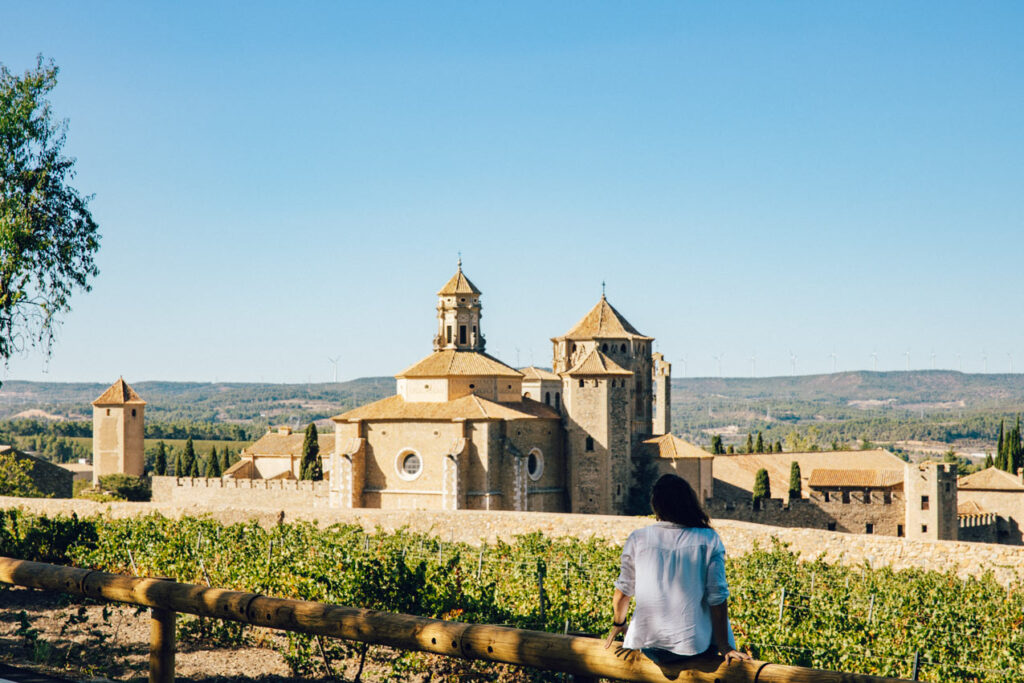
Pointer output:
x,y
857,512
283,493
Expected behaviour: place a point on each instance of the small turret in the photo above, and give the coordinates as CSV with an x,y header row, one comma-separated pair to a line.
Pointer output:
x,y
458,315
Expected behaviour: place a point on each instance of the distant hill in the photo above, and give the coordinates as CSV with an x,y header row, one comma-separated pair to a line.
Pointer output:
x,y
915,386
931,405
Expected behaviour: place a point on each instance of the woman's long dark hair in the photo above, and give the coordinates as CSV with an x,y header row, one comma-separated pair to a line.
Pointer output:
x,y
673,500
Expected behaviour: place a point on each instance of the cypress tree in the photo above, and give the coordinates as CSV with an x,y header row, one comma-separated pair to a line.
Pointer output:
x,y
225,460
750,443
160,466
989,462
213,470
179,468
760,443
1015,457
762,486
311,468
716,445
1000,449
795,485
730,450
771,447
188,460
778,446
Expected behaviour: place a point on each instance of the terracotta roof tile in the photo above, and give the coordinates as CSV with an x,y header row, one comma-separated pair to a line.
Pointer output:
x,y
603,321
867,479
470,407
671,446
119,394
970,507
286,444
739,470
450,362
459,284
991,478
534,373
596,363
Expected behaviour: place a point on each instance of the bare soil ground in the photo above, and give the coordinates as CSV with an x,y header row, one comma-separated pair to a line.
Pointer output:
x,y
83,640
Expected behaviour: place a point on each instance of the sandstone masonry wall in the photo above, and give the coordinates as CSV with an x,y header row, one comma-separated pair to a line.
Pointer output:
x,y
472,526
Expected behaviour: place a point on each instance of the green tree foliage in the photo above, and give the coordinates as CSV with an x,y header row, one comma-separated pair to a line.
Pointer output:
x,y
311,468
225,460
189,468
989,462
750,443
759,447
160,465
48,238
778,446
762,486
1001,461
730,450
716,445
16,477
179,464
795,483
126,487
213,469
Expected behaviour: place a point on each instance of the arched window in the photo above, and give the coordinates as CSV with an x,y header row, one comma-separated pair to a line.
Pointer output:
x,y
133,412
604,348
581,384
590,444
547,397
622,348
558,399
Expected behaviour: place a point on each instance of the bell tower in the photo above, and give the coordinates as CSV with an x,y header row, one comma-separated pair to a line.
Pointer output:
x,y
458,315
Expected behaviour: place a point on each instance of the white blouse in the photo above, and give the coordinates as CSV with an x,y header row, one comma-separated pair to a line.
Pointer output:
x,y
675,574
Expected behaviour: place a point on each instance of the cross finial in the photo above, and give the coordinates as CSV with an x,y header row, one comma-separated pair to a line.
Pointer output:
x,y
460,261
602,289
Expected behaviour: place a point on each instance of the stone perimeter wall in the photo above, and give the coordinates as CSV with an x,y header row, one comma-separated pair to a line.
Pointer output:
x,y
472,526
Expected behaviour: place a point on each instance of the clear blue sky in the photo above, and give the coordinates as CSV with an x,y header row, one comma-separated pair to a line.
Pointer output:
x,y
277,183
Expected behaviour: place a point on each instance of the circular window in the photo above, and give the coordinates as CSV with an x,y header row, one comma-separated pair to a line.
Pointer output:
x,y
408,465
535,464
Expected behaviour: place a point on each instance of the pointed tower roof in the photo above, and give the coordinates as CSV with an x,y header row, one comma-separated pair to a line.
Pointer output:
x,y
603,321
119,394
459,284
596,363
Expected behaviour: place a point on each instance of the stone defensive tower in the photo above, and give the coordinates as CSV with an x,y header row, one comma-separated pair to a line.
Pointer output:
x,y
118,432
458,315
662,394
606,370
931,499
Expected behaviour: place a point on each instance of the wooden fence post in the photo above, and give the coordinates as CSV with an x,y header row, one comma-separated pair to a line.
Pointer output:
x,y
161,645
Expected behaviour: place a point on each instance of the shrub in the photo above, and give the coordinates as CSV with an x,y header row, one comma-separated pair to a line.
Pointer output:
x,y
126,487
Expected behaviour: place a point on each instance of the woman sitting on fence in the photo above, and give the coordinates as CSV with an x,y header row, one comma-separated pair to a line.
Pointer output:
x,y
675,570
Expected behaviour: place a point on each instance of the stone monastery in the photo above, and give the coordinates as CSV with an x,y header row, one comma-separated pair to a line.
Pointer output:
x,y
464,430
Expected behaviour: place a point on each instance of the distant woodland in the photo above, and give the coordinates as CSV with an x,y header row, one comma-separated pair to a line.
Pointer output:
x,y
842,410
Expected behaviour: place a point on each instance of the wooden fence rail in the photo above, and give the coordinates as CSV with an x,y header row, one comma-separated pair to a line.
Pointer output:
x,y
584,657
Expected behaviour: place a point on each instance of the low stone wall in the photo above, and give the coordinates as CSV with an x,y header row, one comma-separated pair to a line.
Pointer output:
x,y
470,526
882,513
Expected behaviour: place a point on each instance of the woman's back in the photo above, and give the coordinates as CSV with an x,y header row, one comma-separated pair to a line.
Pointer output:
x,y
675,574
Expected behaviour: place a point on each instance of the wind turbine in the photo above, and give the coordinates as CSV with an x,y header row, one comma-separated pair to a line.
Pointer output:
x,y
718,359
1010,354
907,354
874,361
933,359
334,362
753,365
984,361
835,361
792,359
960,362
682,359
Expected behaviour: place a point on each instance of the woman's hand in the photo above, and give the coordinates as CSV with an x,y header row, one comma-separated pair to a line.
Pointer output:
x,y
616,630
735,656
